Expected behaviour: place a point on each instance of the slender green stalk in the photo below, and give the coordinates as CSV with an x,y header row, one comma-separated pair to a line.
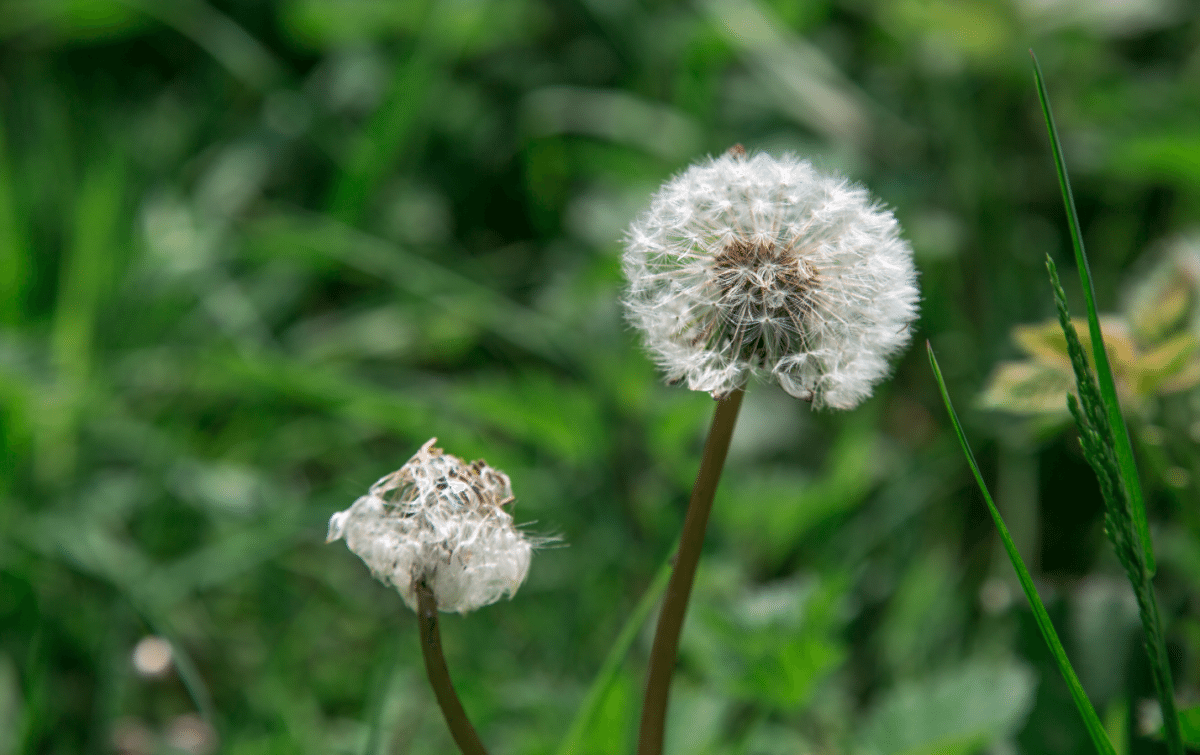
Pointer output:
x,y
1108,388
607,674
679,589
15,254
1099,448
1090,720
439,676
1160,664
1105,440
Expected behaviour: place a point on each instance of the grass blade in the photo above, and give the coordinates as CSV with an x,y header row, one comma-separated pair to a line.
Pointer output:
x,y
386,135
607,675
85,280
1108,388
246,58
1099,448
1090,719
14,249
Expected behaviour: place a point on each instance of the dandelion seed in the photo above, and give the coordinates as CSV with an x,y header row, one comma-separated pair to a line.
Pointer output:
x,y
132,736
191,734
439,520
152,656
752,265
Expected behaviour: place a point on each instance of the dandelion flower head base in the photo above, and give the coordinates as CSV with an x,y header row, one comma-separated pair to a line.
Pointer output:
x,y
762,295
752,265
439,520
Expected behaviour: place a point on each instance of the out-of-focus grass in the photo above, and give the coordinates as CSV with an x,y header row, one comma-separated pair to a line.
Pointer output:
x,y
252,255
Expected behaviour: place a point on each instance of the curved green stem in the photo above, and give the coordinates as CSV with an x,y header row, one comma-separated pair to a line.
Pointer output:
x,y
439,676
679,590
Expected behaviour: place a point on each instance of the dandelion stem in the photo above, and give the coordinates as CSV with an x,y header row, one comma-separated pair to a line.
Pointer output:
x,y
439,676
679,589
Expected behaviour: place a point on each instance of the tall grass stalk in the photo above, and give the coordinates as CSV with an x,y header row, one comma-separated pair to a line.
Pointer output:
x,y
1108,388
1096,438
1104,437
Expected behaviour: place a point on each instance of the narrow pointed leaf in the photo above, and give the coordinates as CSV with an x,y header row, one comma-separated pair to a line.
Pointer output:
x,y
1108,388
1090,719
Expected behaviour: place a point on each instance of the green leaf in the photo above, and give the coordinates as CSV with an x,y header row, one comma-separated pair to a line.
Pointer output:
x,y
1106,445
772,645
1159,157
923,615
1116,722
694,725
607,676
1189,721
318,241
959,711
10,707
1108,387
1090,719
775,509
1025,388
85,282
14,247
554,416
230,45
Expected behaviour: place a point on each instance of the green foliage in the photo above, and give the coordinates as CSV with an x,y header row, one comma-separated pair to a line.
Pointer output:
x,y
771,646
604,712
1189,724
10,707
1118,435
775,507
253,254
1105,441
956,712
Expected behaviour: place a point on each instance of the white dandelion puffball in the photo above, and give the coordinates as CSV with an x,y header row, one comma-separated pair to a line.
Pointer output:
x,y
439,519
752,265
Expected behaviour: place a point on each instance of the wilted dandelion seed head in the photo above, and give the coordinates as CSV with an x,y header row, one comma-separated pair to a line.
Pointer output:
x,y
440,520
749,265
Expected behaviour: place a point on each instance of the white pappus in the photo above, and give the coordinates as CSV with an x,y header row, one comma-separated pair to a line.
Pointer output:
x,y
753,265
439,520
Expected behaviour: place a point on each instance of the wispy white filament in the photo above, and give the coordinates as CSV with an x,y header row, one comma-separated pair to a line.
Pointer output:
x,y
439,519
762,266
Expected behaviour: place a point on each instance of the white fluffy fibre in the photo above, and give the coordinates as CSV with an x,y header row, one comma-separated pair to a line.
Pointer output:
x,y
752,265
439,519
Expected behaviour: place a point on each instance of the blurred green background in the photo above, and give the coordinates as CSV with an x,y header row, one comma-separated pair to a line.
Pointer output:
x,y
254,253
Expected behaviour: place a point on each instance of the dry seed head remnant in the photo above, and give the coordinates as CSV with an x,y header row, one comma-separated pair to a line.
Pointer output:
x,y
752,265
441,520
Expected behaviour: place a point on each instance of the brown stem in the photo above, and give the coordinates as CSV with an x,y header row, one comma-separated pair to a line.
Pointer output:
x,y
439,676
679,589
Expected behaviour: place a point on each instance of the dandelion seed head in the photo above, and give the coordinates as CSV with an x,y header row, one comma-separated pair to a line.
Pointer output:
x,y
439,520
751,265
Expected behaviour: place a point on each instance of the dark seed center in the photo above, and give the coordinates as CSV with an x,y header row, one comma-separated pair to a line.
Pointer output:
x,y
767,278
